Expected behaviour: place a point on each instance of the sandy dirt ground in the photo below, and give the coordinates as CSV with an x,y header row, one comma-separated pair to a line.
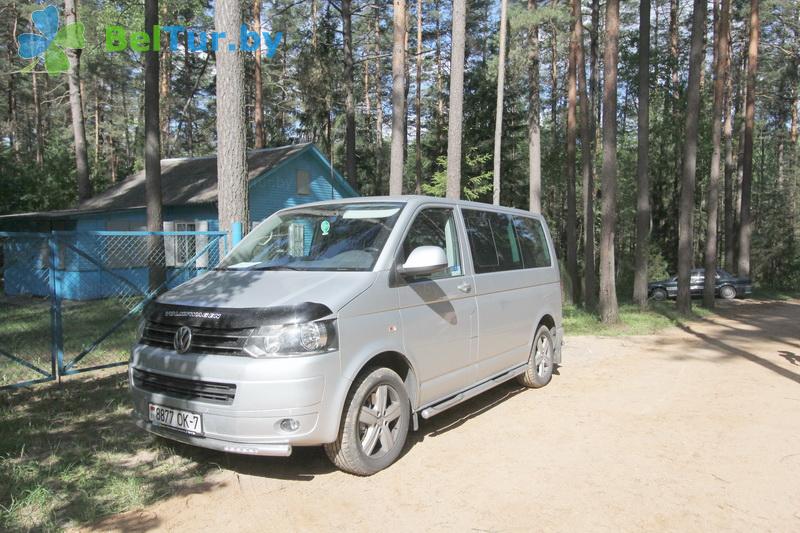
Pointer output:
x,y
694,429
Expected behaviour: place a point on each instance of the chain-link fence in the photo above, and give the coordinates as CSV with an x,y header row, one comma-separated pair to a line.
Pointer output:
x,y
69,301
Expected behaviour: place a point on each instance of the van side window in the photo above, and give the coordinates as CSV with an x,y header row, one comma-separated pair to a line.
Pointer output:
x,y
493,241
435,227
532,241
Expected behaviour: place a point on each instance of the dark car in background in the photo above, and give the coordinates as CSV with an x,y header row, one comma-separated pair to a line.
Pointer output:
x,y
727,287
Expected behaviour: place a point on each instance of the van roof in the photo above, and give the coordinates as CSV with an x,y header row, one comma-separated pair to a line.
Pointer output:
x,y
414,200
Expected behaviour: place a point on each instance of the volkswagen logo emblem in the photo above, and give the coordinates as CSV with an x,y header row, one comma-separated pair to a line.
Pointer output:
x,y
183,339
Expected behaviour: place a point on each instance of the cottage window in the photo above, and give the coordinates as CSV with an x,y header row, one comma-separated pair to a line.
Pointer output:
x,y
303,182
185,245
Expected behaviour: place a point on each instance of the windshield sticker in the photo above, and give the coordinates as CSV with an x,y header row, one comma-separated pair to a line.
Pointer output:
x,y
325,226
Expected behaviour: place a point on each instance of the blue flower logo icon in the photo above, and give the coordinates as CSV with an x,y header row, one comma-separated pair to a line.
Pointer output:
x,y
51,43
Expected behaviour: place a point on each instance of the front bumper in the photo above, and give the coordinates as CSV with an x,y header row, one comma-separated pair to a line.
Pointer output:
x,y
306,389
276,450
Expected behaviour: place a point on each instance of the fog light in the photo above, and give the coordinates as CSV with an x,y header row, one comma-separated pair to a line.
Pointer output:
x,y
290,424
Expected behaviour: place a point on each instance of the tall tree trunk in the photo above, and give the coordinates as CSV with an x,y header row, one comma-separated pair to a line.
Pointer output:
x,y
793,153
594,78
126,122
152,154
13,134
11,92
729,116
258,104
534,109
672,109
455,119
232,184
554,79
96,125
349,96
688,177
418,103
720,67
114,157
313,25
188,119
76,109
165,73
572,129
406,100
37,115
439,69
609,310
398,98
745,224
642,163
586,125
498,116
378,101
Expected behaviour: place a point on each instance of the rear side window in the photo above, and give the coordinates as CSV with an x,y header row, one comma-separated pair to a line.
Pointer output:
x,y
493,241
532,242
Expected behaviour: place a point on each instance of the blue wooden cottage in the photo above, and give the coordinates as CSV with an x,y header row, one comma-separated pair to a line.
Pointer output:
x,y
279,177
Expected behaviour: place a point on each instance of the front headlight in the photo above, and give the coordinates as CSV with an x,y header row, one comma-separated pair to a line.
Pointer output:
x,y
292,339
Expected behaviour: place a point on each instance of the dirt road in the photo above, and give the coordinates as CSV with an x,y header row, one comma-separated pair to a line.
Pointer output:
x,y
696,429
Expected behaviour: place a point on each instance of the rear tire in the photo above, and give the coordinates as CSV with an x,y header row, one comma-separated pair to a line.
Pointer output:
x,y
374,425
727,292
659,295
541,361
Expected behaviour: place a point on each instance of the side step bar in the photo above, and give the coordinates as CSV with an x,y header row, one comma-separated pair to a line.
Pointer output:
x,y
471,392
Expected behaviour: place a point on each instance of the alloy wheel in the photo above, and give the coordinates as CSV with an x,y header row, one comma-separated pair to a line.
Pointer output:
x,y
378,421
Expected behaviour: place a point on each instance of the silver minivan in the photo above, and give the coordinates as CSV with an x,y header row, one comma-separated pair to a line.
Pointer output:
x,y
341,323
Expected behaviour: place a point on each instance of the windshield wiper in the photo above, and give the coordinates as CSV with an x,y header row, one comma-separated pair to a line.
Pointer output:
x,y
274,267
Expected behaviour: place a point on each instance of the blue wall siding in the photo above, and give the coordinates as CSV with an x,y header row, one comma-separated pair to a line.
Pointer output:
x,y
278,189
136,219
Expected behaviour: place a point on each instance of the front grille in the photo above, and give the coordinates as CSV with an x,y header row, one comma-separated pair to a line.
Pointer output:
x,y
188,389
206,340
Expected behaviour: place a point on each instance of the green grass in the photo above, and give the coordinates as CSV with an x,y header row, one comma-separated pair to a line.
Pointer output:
x,y
71,454
660,315
763,293
25,333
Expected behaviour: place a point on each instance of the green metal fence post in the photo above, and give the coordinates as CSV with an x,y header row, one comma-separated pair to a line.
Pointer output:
x,y
56,327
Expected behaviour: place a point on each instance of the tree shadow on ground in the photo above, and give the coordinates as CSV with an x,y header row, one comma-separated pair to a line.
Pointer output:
x,y
71,454
778,324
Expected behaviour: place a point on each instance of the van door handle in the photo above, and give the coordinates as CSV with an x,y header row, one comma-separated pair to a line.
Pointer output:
x,y
465,287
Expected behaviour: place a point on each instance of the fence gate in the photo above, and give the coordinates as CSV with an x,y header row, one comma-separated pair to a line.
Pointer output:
x,y
70,301
26,335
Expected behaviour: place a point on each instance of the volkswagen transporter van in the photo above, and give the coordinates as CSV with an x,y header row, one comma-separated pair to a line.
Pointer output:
x,y
341,323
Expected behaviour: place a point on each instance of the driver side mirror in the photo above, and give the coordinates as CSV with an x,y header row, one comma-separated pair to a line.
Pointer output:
x,y
424,260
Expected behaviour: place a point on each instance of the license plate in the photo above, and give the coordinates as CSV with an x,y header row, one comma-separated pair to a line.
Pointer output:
x,y
185,421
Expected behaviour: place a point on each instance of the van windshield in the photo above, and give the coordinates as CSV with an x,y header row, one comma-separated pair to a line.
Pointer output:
x,y
330,237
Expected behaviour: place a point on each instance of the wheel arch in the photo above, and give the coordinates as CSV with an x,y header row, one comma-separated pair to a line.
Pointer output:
x,y
397,362
547,319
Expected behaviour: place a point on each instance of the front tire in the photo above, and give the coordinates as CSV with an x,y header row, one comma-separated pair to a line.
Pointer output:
x,y
541,361
374,426
659,295
727,292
